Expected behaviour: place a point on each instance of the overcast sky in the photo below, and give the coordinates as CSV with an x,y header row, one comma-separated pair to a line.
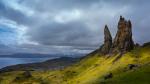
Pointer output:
x,y
67,26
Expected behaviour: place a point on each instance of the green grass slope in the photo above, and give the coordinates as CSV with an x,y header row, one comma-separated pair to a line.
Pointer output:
x,y
92,70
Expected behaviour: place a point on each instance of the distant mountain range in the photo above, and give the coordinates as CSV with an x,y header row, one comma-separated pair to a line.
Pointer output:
x,y
52,64
30,55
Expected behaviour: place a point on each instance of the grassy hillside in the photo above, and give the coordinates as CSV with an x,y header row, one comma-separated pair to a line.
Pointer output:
x,y
92,70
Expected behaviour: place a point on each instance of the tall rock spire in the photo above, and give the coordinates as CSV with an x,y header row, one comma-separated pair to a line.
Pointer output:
x,y
123,40
107,41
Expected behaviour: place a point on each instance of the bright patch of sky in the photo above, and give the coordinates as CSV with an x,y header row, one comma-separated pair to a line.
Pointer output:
x,y
11,33
16,5
67,16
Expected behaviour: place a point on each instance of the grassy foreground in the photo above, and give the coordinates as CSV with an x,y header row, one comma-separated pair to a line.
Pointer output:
x,y
92,70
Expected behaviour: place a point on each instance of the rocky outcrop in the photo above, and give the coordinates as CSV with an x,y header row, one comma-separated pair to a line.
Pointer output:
x,y
108,76
107,41
123,40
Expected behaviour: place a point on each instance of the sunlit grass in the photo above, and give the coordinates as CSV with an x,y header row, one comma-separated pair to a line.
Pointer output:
x,y
91,70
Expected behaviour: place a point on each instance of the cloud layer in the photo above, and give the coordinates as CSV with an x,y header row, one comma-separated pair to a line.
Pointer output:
x,y
68,26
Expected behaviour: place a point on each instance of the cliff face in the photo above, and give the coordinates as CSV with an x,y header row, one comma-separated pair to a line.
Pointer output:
x,y
123,40
107,41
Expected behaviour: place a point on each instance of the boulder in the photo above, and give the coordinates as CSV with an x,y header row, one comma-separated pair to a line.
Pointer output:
x,y
132,66
108,76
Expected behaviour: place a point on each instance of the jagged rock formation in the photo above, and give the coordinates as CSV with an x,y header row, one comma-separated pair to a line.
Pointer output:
x,y
107,41
123,40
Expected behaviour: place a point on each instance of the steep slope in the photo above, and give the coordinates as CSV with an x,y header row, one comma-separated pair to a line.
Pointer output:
x,y
92,70
117,62
138,76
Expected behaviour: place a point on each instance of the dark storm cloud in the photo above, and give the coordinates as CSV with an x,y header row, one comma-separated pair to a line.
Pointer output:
x,y
76,23
57,5
12,14
70,34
